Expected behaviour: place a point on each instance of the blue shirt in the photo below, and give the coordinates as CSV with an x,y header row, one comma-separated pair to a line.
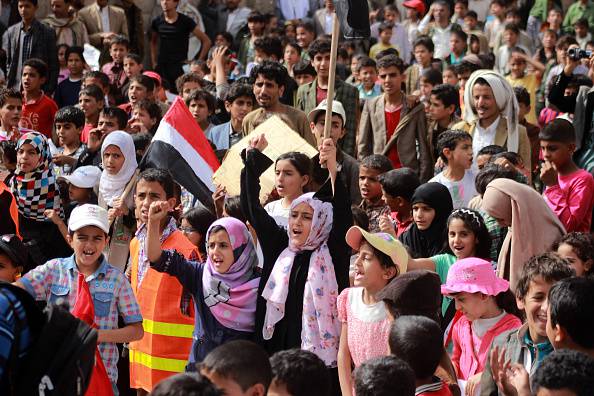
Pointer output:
x,y
9,305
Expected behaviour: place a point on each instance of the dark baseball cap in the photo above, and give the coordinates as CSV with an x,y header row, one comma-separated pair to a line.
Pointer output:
x,y
12,246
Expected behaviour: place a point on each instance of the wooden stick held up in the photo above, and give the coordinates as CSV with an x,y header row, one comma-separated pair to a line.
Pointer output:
x,y
332,76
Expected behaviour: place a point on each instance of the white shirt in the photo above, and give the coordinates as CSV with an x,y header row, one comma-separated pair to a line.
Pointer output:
x,y
481,326
279,213
236,18
462,191
104,14
440,36
483,137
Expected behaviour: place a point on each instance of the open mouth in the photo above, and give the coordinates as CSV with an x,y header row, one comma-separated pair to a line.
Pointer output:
x,y
88,253
459,248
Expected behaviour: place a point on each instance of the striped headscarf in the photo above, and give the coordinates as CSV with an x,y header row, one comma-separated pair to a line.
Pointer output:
x,y
36,191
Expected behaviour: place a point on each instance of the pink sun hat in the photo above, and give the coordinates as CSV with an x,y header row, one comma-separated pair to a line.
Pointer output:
x,y
473,275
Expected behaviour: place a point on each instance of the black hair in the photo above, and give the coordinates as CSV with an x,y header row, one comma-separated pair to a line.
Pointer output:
x,y
449,140
512,11
400,182
558,130
501,3
99,76
319,46
6,93
135,57
471,14
141,142
476,224
446,94
571,304
72,115
467,67
238,90
418,341
366,61
489,173
386,52
271,71
232,208
377,377
200,94
117,113
161,176
200,218
293,44
151,108
548,266
120,40
257,16
360,217
460,33
391,60
514,158
582,244
378,162
8,149
93,91
301,372
491,149
37,64
582,22
226,35
432,76
385,26
75,50
243,361
186,384
188,77
565,369
522,95
512,27
145,81
34,2
300,161
565,41
303,67
270,46
507,302
426,42
307,26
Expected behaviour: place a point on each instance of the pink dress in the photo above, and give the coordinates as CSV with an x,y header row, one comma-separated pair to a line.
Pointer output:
x,y
368,325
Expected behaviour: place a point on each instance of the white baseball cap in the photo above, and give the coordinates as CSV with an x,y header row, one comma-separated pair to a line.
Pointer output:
x,y
88,215
84,177
337,108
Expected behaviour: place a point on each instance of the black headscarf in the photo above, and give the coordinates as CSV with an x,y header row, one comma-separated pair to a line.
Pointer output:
x,y
429,242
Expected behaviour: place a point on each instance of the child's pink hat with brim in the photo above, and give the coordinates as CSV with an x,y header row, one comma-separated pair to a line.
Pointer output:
x,y
473,275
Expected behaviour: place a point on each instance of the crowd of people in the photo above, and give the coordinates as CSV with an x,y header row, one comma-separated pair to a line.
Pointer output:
x,y
439,243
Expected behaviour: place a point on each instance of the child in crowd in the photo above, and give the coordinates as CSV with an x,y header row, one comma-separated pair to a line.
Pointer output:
x,y
304,73
239,101
305,35
431,206
91,100
458,46
582,34
109,288
64,72
369,87
291,56
429,79
292,174
569,190
118,50
496,24
467,236
67,91
11,104
449,75
529,344
188,83
578,249
238,368
256,22
296,372
381,258
110,119
315,240
418,341
567,371
503,55
33,169
146,116
486,153
132,66
186,384
423,49
518,77
201,105
194,224
385,38
141,87
38,108
455,150
370,170
376,376
488,309
149,286
398,187
100,79
69,122
443,104
119,165
14,258
525,105
224,288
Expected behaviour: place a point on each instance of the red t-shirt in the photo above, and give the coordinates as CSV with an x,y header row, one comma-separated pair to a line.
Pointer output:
x,y
321,94
84,135
392,120
39,115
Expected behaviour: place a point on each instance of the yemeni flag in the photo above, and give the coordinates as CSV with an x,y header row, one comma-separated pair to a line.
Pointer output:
x,y
180,146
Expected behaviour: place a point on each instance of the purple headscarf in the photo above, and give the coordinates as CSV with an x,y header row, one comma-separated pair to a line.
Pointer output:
x,y
232,296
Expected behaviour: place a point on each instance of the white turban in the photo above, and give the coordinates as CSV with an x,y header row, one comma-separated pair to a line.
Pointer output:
x,y
506,102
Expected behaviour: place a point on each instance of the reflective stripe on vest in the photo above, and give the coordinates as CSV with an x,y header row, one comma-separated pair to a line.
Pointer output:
x,y
168,329
158,363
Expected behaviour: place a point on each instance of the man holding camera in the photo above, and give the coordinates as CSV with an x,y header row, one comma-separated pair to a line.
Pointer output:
x,y
579,103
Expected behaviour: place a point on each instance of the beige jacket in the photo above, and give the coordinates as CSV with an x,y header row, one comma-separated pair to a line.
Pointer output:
x,y
92,19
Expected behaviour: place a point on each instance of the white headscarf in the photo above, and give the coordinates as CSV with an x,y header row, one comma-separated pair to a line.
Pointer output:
x,y
112,186
506,102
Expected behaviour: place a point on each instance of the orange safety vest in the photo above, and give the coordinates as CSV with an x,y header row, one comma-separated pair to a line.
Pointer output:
x,y
14,211
167,341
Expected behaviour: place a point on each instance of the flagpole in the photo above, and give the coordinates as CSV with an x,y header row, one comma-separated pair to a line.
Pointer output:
x,y
332,76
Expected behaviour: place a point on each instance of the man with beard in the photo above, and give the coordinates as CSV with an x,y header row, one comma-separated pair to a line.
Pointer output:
x,y
269,80
491,115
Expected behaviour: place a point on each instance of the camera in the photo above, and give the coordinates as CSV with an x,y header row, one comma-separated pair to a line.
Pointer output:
x,y
577,54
